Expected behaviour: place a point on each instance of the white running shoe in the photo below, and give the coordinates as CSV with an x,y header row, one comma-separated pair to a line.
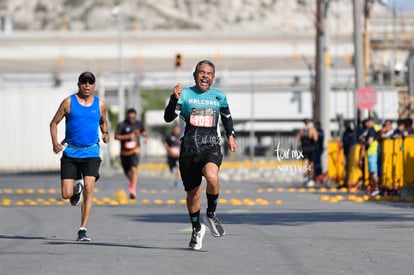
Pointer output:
x,y
375,193
310,183
214,225
196,242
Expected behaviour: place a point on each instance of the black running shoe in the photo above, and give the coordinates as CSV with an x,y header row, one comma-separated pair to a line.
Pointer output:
x,y
196,242
214,224
77,193
82,237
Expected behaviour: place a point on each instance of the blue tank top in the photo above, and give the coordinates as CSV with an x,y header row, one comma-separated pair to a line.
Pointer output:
x,y
82,129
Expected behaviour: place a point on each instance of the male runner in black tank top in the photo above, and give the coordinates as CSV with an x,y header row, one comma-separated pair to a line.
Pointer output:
x,y
308,136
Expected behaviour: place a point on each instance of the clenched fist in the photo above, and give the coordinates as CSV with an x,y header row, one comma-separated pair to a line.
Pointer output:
x,y
177,90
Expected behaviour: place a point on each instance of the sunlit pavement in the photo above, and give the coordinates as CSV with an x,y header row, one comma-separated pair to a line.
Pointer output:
x,y
272,227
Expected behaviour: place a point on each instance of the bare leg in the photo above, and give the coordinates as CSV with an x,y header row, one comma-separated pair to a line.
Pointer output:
x,y
210,171
132,176
87,200
374,181
177,173
311,170
305,167
193,200
67,188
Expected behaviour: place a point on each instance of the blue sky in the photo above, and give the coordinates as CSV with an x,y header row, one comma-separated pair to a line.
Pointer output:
x,y
402,5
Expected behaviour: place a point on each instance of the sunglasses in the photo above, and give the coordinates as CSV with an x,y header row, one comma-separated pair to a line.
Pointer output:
x,y
91,82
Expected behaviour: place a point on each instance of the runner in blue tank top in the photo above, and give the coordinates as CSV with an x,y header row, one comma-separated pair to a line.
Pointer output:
x,y
80,161
200,108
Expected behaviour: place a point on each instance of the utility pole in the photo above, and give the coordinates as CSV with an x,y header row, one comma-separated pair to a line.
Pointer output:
x,y
367,60
322,85
117,13
318,60
358,54
394,43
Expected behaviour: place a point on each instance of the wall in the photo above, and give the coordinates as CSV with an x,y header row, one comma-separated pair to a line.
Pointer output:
x,y
25,142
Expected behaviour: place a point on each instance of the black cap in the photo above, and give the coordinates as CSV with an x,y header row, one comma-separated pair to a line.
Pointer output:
x,y
86,76
131,110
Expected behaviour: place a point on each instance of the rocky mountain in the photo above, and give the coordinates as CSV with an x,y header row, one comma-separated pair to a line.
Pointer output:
x,y
284,16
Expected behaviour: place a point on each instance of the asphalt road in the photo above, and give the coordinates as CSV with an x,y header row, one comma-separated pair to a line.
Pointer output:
x,y
271,229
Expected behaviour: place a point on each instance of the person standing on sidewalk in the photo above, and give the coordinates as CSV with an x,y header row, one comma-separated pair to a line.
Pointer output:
x,y
199,108
172,145
129,132
85,114
308,137
319,174
369,146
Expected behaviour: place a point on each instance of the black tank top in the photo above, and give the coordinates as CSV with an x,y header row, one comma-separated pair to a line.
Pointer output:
x,y
305,140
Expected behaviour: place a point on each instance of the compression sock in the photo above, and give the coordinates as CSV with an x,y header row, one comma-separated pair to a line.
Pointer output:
x,y
195,220
212,201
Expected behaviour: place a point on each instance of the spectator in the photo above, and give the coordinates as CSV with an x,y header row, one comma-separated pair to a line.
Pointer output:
x,y
319,151
308,137
384,133
400,131
409,127
348,140
386,130
370,148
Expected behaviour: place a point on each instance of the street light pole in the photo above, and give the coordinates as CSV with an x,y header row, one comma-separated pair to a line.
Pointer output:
x,y
319,60
358,54
368,5
117,12
324,63
394,43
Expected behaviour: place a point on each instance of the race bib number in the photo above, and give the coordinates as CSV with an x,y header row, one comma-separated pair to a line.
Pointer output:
x,y
174,152
130,144
203,117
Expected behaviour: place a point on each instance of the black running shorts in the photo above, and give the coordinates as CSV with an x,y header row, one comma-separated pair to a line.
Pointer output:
x,y
191,166
76,168
129,161
309,152
172,162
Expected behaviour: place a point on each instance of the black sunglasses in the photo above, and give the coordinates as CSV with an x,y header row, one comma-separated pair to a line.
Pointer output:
x,y
84,81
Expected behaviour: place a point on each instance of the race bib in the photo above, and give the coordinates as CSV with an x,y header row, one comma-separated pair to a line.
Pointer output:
x,y
130,144
203,117
174,152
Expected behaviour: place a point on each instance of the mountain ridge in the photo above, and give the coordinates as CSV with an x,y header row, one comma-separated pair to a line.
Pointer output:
x,y
284,16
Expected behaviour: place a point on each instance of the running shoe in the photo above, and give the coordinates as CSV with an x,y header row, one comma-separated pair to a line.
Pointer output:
x,y
196,242
375,193
214,224
176,184
310,183
82,237
132,191
77,192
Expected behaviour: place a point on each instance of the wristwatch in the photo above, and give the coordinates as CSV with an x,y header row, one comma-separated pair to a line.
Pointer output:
x,y
233,133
